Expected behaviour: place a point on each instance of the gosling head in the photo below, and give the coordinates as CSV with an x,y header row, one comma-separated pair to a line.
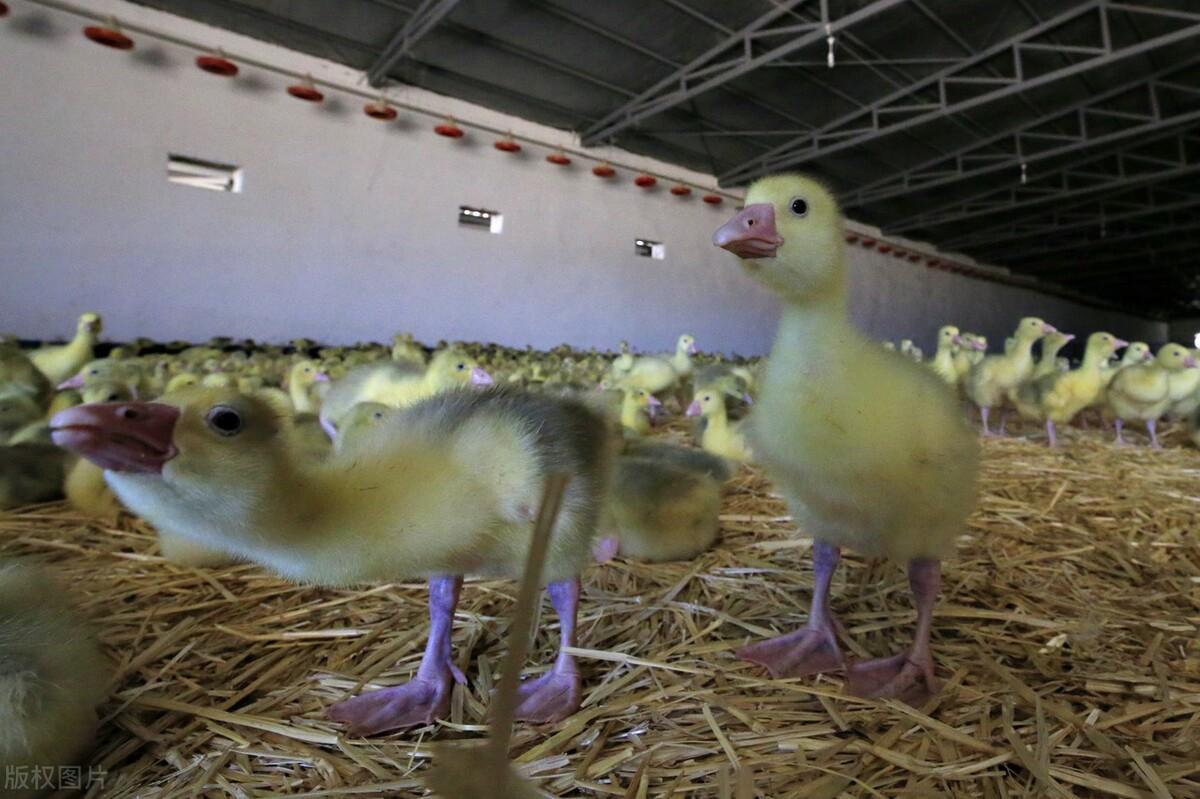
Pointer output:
x,y
686,343
1102,345
196,437
1175,358
89,324
706,403
789,236
1031,329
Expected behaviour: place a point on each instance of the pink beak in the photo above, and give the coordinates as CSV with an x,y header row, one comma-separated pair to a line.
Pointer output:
x,y
957,340
1120,343
1069,337
653,401
1189,362
321,377
479,377
1147,356
1048,329
978,346
692,348
136,437
750,234
746,398
694,409
71,382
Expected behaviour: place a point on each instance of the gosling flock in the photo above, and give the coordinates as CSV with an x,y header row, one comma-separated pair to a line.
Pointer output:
x,y
240,451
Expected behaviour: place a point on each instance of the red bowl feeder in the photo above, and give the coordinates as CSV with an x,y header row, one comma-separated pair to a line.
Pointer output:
x,y
306,91
381,111
558,159
217,65
507,145
885,248
868,243
713,199
109,37
851,238
449,130
645,181
681,190
603,171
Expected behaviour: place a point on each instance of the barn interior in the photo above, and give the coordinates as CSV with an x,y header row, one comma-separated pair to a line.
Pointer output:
x,y
342,216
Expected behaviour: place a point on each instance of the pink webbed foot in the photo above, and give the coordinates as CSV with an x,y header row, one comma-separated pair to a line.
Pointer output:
x,y
810,650
421,701
903,677
551,698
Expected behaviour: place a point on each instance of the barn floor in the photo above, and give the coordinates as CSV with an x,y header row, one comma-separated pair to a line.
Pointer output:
x,y
1068,637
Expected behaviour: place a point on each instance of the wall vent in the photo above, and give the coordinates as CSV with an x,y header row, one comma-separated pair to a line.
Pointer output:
x,y
650,249
492,221
194,172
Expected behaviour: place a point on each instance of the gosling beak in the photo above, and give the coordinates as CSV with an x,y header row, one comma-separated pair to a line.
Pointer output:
x,y
750,234
1048,329
692,348
746,398
1189,362
71,382
1069,337
321,377
479,377
1120,343
653,401
694,409
979,346
956,340
1146,356
135,437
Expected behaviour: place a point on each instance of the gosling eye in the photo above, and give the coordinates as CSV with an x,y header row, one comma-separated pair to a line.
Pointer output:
x,y
225,421
798,206
462,366
113,397
378,414
706,399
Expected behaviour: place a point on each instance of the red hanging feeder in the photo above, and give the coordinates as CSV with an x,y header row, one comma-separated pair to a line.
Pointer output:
x,y
507,145
306,91
603,171
645,181
558,159
713,199
217,64
109,35
680,190
380,110
449,130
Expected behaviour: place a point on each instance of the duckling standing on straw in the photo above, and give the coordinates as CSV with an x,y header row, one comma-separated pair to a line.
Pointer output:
x,y
443,488
869,449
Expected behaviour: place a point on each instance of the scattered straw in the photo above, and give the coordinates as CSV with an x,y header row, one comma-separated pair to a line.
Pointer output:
x,y
1067,636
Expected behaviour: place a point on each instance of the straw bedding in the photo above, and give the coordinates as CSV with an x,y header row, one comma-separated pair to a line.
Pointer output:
x,y
1067,637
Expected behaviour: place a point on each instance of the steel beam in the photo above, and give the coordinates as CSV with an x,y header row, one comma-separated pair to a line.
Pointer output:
x,y
708,71
426,16
1031,142
1171,227
1096,216
909,107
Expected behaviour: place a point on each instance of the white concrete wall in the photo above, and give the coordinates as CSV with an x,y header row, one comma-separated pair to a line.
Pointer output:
x,y
347,227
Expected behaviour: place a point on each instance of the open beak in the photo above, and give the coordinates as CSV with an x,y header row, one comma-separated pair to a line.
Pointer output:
x,y
133,437
480,377
321,377
694,409
71,382
979,346
750,234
